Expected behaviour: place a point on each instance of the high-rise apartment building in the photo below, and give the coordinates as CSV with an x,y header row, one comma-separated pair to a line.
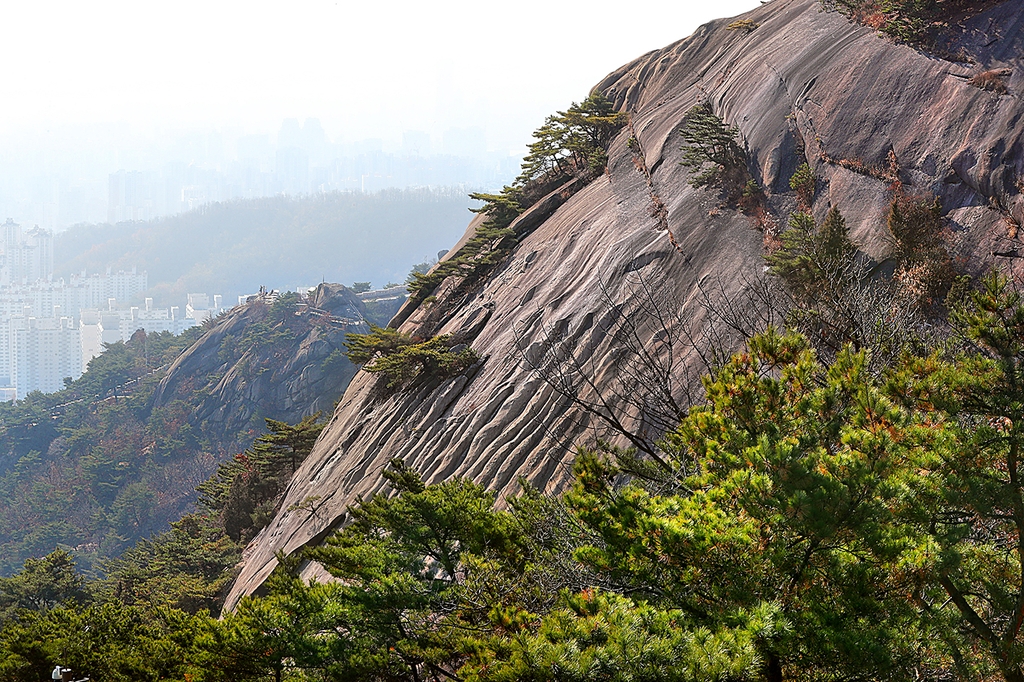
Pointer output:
x,y
46,299
98,327
43,353
26,257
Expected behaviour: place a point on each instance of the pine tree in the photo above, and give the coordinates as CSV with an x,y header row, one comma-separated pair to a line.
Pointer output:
x,y
572,142
833,243
971,490
709,142
803,184
782,493
811,254
795,261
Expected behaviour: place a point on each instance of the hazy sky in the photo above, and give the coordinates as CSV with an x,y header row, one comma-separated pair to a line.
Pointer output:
x,y
367,69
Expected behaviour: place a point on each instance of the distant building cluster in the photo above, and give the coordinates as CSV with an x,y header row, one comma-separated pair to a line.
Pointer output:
x,y
51,328
27,257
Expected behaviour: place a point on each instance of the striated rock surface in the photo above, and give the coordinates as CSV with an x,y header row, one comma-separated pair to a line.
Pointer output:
x,y
802,84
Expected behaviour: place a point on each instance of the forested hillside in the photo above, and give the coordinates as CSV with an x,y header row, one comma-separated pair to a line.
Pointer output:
x,y
282,242
118,454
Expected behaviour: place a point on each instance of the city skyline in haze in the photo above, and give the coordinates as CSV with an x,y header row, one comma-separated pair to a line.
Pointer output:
x,y
123,86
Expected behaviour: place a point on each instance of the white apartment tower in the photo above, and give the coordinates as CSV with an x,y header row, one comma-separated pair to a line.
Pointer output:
x,y
27,257
43,352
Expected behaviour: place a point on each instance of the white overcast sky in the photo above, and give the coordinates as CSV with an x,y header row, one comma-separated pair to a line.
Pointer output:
x,y
368,69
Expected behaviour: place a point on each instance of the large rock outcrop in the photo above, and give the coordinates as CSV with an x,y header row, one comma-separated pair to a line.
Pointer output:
x,y
261,361
802,84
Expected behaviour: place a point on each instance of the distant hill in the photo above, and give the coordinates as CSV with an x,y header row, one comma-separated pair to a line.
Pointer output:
x,y
117,455
282,242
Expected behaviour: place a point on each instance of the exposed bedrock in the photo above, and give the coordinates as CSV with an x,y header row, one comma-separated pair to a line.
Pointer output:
x,y
802,80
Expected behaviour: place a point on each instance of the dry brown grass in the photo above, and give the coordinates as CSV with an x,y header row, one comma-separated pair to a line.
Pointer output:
x,y
745,25
993,80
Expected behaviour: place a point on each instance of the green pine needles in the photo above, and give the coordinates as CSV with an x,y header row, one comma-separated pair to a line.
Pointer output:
x,y
809,519
243,493
804,184
809,253
404,361
489,244
712,154
570,144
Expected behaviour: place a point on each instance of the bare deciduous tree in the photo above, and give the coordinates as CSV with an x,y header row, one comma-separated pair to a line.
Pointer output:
x,y
636,367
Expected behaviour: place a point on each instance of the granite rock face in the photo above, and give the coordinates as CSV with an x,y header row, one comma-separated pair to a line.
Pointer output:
x,y
246,381
803,84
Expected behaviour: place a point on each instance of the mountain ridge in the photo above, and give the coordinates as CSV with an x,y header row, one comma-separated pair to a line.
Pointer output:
x,y
802,86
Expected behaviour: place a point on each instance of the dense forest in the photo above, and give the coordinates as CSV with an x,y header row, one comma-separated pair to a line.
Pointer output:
x,y
297,241
844,503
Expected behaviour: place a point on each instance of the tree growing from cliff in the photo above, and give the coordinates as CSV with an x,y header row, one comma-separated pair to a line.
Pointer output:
x,y
403,361
810,253
572,142
711,152
490,243
803,183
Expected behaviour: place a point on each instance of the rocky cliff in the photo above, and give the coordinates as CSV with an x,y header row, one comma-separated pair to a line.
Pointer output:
x,y
549,324
269,358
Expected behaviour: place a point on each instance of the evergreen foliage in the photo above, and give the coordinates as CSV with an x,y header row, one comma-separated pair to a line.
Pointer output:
x,y
808,253
97,467
970,490
488,246
187,568
41,585
570,144
108,642
834,242
782,492
711,152
803,183
404,361
79,467
362,348
244,492
808,520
